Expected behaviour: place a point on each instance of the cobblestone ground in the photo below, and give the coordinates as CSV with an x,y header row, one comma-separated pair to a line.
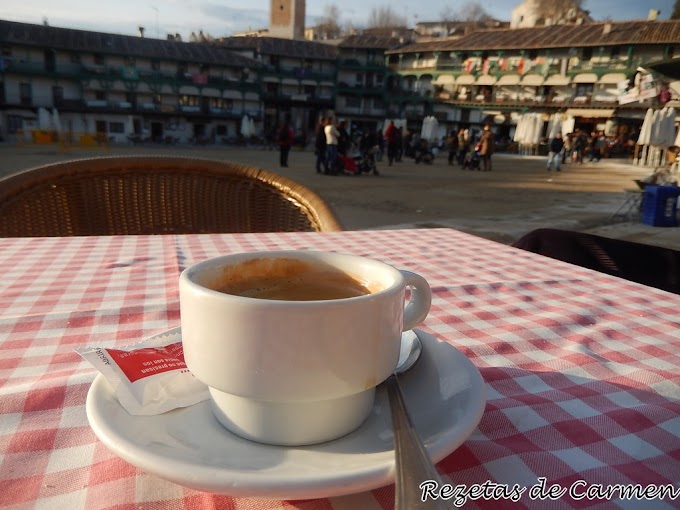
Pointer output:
x,y
516,197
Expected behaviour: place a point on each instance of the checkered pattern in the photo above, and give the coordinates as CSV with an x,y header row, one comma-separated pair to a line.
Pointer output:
x,y
582,369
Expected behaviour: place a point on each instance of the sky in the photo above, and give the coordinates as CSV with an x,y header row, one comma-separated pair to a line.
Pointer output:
x,y
223,18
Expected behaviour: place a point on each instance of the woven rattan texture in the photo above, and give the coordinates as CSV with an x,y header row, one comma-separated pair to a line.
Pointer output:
x,y
156,195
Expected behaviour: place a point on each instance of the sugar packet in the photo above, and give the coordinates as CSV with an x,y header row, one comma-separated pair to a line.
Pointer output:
x,y
148,377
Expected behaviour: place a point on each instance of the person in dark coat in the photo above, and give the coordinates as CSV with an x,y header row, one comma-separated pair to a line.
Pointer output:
x,y
555,155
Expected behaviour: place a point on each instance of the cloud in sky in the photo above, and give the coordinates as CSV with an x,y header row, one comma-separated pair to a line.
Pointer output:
x,y
234,18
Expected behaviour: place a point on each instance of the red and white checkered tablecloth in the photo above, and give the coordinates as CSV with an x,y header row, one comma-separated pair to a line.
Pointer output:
x,y
582,369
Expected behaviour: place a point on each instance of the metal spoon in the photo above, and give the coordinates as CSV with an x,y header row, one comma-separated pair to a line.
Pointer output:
x,y
413,464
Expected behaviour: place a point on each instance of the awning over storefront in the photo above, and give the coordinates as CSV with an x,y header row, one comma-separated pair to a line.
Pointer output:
x,y
26,114
465,79
231,94
585,78
532,80
189,90
290,81
508,79
210,92
590,113
270,79
612,78
444,79
557,80
486,79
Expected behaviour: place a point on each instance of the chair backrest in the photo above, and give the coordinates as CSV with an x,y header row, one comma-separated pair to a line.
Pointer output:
x,y
654,266
156,195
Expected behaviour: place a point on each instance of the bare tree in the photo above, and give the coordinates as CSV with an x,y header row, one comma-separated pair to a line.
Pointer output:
x,y
385,17
471,11
676,10
329,24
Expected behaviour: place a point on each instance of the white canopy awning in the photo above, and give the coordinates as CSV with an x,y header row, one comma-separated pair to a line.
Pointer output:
x,y
592,113
444,79
612,78
585,78
189,90
465,79
557,80
210,92
533,80
508,79
486,79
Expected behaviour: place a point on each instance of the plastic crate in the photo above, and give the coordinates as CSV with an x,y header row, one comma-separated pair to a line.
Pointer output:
x,y
660,206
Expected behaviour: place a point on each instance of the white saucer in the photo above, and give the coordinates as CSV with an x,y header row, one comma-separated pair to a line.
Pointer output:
x,y
444,393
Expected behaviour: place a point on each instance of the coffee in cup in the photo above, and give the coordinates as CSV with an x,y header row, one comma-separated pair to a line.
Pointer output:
x,y
288,279
286,361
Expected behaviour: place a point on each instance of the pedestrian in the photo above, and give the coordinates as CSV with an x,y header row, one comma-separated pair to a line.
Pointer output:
x,y
343,138
555,155
566,153
332,135
452,146
285,139
578,147
486,148
320,147
391,140
463,143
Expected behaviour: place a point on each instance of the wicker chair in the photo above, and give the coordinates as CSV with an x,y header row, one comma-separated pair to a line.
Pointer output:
x,y
156,195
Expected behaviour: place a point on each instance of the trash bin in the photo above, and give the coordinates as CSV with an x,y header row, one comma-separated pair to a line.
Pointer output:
x,y
660,206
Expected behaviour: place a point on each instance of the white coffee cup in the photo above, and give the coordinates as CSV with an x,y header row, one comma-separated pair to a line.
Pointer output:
x,y
295,372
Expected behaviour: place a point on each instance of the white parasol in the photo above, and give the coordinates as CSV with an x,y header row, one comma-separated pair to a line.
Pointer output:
x,y
245,127
56,121
646,129
554,125
44,119
568,125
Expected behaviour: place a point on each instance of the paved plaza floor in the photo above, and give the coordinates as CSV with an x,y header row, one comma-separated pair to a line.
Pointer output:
x,y
519,195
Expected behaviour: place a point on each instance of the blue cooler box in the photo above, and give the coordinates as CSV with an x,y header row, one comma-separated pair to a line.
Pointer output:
x,y
660,206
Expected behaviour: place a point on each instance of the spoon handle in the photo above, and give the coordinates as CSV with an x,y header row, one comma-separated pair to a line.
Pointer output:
x,y
413,464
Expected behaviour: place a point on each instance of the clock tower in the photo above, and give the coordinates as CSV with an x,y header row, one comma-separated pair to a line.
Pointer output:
x,y
287,19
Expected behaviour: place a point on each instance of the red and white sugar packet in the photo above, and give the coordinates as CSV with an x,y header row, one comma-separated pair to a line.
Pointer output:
x,y
149,377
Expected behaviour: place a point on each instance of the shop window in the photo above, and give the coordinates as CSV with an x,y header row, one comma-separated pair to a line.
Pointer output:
x,y
116,127
25,94
57,95
99,59
353,102
584,89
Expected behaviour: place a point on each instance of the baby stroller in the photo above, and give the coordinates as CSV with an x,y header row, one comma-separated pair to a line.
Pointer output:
x,y
365,161
472,159
423,154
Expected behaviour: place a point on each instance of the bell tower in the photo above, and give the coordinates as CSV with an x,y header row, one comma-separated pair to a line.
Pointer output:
x,y
287,19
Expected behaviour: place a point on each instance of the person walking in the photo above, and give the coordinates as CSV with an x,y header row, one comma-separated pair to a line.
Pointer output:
x,y
486,148
332,135
463,143
391,139
452,146
555,155
320,147
285,139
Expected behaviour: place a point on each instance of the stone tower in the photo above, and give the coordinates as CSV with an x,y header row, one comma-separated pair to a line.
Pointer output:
x,y
287,19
